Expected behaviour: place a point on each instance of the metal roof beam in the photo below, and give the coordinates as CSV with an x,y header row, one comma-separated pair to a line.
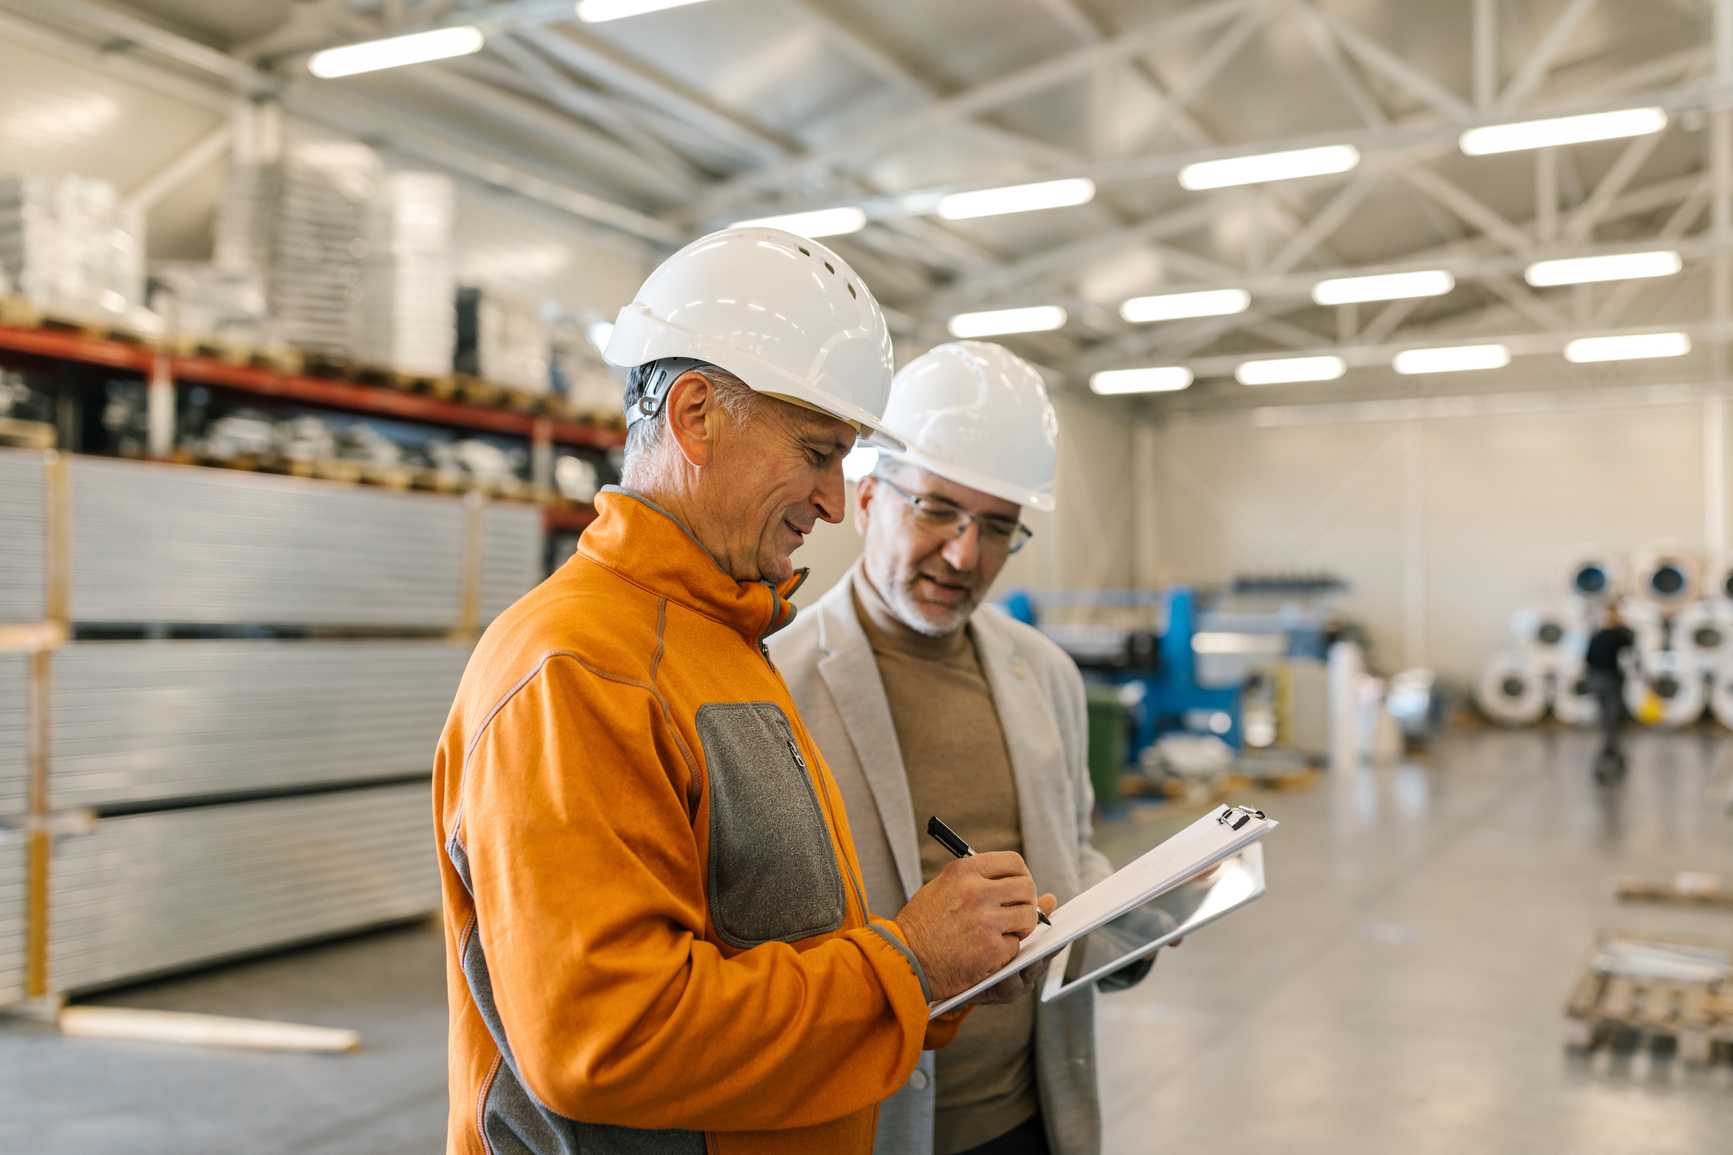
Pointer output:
x,y
974,101
1532,74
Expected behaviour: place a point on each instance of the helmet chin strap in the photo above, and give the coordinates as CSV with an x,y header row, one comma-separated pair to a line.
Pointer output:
x,y
655,392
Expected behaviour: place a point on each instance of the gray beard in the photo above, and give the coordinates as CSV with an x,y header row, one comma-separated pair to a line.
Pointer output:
x,y
903,604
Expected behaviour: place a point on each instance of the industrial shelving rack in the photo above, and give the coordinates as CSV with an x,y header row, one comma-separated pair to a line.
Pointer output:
x,y
220,689
165,370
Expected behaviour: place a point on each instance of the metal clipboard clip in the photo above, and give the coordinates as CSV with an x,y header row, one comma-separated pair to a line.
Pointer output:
x,y
1235,817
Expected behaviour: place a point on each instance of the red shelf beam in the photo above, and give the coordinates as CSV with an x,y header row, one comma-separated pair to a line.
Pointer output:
x,y
318,391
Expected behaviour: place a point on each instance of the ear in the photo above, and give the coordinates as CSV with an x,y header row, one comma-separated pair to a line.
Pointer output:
x,y
864,492
692,416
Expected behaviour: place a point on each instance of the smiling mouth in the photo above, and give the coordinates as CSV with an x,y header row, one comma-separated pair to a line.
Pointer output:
x,y
948,587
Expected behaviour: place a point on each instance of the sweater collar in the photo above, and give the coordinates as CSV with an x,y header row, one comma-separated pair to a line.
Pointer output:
x,y
651,548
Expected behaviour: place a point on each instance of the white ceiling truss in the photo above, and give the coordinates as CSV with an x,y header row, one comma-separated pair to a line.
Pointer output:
x,y
673,155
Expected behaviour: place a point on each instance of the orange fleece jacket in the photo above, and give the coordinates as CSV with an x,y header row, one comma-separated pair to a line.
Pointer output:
x,y
656,936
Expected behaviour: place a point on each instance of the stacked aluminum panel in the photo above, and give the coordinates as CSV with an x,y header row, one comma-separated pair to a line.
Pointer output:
x,y
12,907
23,536
62,245
148,893
155,722
409,319
300,224
154,543
14,734
511,556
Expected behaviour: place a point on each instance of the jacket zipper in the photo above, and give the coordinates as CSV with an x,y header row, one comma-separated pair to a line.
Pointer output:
x,y
830,818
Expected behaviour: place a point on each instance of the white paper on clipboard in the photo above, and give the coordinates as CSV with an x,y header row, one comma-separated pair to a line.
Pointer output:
x,y
1221,833
1184,910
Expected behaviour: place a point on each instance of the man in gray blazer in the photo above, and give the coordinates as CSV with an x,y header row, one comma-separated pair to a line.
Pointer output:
x,y
925,701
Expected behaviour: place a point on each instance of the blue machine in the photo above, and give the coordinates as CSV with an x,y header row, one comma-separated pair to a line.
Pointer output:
x,y
1167,673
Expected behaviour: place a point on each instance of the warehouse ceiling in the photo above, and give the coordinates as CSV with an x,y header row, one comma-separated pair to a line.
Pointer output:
x,y
664,125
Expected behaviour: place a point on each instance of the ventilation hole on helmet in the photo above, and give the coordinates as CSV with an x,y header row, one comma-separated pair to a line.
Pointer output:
x,y
804,251
830,268
852,293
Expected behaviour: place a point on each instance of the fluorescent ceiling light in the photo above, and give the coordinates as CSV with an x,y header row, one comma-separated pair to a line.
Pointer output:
x,y
998,322
599,11
1290,370
1631,348
395,52
1613,267
817,223
1299,162
1155,379
1174,306
1383,287
1452,359
1562,130
1017,198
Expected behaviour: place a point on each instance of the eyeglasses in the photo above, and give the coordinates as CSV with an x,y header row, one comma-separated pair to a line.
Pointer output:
x,y
940,517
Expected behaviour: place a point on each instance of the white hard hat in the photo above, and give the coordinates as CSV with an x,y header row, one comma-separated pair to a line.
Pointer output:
x,y
978,414
782,313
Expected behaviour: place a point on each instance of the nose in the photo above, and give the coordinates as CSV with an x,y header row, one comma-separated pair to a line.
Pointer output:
x,y
831,494
963,552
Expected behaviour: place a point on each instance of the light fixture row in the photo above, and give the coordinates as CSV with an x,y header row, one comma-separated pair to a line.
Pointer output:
x,y
1264,168
1409,362
1333,291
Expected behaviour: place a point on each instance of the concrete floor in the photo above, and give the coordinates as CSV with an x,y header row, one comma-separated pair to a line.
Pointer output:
x,y
1398,989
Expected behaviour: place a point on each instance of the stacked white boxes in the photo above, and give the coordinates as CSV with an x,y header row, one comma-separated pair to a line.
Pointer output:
x,y
503,338
300,224
409,319
64,245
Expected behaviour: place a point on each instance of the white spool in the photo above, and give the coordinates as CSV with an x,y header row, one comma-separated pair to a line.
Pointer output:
x,y
1512,692
1667,578
1678,687
1703,635
1552,639
1598,578
1721,698
1573,701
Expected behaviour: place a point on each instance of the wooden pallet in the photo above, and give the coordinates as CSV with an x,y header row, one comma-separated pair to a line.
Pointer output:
x,y
27,434
1227,786
476,391
282,358
1621,1011
1686,888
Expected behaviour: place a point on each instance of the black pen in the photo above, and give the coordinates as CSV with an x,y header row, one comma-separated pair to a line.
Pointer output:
x,y
949,839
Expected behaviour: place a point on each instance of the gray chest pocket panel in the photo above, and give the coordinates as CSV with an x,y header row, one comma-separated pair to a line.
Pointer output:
x,y
773,874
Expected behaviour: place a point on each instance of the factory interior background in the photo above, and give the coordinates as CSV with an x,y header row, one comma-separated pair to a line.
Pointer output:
x,y
1389,342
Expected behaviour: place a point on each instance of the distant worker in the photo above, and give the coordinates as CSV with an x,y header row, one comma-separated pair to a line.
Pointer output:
x,y
928,702
1606,669
656,932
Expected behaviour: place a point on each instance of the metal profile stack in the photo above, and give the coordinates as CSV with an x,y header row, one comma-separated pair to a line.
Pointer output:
x,y
153,721
299,221
217,796
23,559
147,893
409,320
504,338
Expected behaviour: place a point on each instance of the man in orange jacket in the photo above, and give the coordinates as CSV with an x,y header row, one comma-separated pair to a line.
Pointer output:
x,y
656,936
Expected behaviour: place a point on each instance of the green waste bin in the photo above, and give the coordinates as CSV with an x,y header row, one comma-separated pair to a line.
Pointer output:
x,y
1108,723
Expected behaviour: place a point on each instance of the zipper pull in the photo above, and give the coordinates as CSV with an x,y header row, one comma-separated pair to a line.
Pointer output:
x,y
795,750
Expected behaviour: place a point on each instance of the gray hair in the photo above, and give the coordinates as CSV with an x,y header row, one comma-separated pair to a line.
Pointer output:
x,y
645,439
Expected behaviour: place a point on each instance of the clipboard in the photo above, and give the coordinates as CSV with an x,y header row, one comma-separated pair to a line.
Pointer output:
x,y
1185,910
1218,835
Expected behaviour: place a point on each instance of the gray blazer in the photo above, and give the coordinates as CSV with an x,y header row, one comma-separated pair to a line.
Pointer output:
x,y
834,677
